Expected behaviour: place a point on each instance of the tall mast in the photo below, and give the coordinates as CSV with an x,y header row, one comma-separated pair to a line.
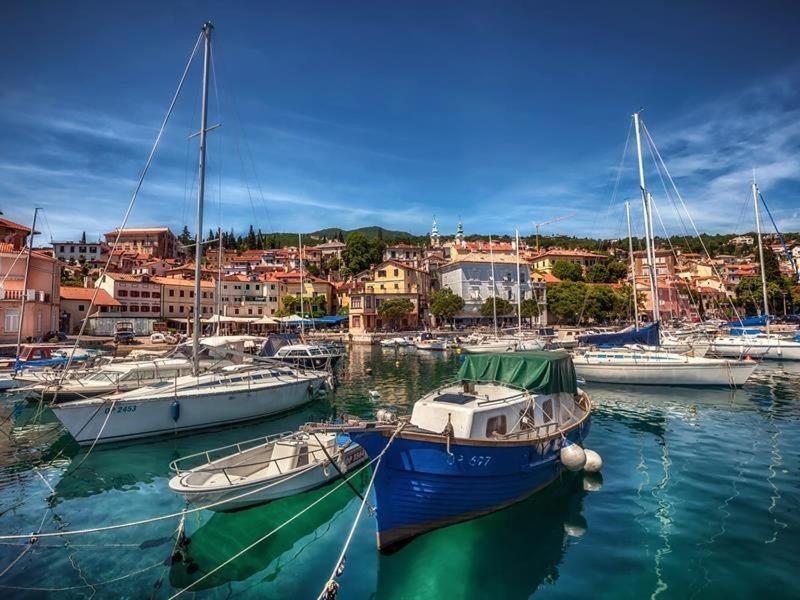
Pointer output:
x,y
219,280
633,269
761,251
25,286
201,189
302,284
648,222
494,287
519,287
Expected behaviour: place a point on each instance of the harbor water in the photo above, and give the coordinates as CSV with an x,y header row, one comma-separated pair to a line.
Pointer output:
x,y
699,498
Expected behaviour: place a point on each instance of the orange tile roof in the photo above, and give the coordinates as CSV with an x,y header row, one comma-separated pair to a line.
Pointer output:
x,y
11,225
81,293
575,253
139,230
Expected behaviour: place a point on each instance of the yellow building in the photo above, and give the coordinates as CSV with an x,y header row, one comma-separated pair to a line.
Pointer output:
x,y
391,279
545,261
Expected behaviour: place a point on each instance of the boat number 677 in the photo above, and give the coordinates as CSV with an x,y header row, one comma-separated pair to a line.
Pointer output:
x,y
472,461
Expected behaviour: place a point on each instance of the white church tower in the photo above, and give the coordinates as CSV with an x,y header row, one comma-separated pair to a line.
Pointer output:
x,y
434,234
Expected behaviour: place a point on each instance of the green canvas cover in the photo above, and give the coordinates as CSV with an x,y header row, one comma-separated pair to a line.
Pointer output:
x,y
541,372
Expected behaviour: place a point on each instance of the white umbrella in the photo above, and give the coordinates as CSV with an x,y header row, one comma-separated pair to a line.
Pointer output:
x,y
265,320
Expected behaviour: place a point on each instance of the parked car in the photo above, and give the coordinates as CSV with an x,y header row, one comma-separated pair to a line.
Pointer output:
x,y
124,337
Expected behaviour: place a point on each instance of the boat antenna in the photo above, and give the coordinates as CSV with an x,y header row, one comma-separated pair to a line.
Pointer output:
x,y
761,251
198,249
494,287
519,287
219,280
302,284
648,222
25,288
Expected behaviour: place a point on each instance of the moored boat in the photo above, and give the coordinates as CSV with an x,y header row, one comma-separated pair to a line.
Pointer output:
x,y
493,438
264,469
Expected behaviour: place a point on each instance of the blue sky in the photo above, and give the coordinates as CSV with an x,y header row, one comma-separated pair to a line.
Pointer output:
x,y
386,113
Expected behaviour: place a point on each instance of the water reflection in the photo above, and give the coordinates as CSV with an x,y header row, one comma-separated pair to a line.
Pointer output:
x,y
226,534
507,554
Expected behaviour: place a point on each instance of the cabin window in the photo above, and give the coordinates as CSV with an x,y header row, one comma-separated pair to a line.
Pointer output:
x,y
496,425
547,410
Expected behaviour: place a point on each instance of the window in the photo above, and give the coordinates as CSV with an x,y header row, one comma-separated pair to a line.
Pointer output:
x,y
72,248
145,294
191,294
382,273
62,249
181,293
122,293
134,293
397,287
171,293
82,249
547,411
356,320
355,302
133,308
171,308
396,272
496,425
92,250
81,307
180,308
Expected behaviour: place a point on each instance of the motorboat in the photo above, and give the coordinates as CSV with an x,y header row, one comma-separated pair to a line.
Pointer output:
x,y
264,469
211,399
435,344
508,344
309,356
396,342
506,428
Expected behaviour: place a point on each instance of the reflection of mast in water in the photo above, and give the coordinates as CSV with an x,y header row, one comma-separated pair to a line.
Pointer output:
x,y
664,516
776,460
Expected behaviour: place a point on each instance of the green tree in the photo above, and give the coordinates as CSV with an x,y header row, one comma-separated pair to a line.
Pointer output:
x,y
395,309
499,305
445,305
565,301
772,268
251,240
291,304
360,252
311,268
185,236
617,271
598,273
529,308
567,271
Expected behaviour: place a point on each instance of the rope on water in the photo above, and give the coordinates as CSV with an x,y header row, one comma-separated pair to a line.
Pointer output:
x,y
175,515
331,587
275,530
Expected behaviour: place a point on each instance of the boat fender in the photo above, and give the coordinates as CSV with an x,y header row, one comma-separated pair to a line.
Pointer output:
x,y
397,363
572,456
368,371
175,410
326,471
385,416
340,567
310,388
593,461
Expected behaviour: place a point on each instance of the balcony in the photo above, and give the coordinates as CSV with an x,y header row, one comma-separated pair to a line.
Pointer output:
x,y
32,295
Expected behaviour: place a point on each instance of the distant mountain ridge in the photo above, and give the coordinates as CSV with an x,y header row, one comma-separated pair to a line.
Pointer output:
x,y
372,232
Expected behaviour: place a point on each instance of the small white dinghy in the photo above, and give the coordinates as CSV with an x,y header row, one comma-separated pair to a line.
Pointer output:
x,y
264,469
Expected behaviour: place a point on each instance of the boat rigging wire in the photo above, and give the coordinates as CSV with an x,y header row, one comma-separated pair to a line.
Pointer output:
x,y
174,515
338,568
278,528
132,202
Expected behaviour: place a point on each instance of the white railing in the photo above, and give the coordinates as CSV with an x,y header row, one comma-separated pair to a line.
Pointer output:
x,y
31,296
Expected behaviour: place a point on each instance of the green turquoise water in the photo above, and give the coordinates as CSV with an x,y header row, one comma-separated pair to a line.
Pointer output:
x,y
699,497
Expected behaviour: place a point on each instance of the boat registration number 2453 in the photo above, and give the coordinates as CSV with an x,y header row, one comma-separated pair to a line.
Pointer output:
x,y
473,461
128,408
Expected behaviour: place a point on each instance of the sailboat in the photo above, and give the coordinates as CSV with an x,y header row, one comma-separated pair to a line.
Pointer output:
x,y
640,365
200,400
766,345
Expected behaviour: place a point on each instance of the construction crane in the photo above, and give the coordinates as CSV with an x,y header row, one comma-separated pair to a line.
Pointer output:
x,y
538,225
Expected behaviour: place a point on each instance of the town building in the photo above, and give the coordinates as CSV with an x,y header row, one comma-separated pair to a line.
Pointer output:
x,y
155,242
388,280
71,252
405,253
177,298
138,295
545,261
75,303
44,280
470,277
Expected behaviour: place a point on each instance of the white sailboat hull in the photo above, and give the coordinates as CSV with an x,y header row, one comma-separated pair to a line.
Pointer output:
x,y
141,417
495,346
765,348
700,372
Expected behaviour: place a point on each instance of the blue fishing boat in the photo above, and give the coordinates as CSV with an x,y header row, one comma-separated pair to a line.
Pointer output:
x,y
505,429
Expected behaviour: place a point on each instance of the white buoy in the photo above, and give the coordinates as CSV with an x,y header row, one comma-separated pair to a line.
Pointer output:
x,y
374,394
593,461
572,456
